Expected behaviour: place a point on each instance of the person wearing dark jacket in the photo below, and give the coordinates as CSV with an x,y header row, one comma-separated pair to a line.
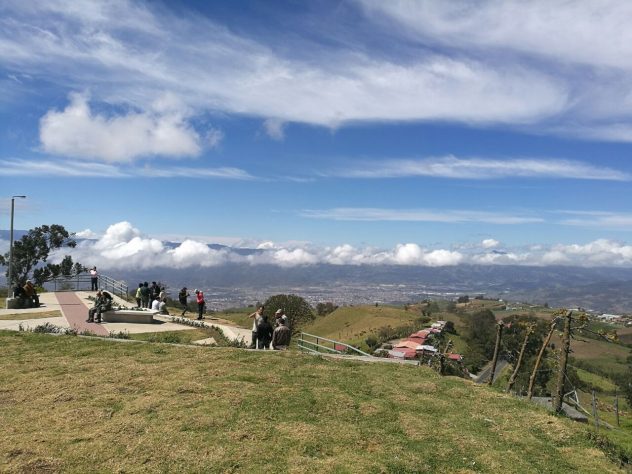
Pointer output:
x,y
264,333
145,295
281,336
182,297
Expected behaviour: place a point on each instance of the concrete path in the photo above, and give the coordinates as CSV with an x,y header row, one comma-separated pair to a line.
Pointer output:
x,y
48,302
76,313
231,332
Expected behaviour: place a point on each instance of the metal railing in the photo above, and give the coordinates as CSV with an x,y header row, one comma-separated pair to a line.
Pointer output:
x,y
317,344
82,282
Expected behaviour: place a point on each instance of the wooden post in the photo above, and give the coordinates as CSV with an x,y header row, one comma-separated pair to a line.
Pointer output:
x,y
447,346
616,407
538,360
561,375
499,334
594,410
514,375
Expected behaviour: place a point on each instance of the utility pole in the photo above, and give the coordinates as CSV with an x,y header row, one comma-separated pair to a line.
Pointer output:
x,y
561,375
10,279
499,334
514,375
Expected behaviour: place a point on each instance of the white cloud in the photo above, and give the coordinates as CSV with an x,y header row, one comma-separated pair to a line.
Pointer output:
x,y
607,220
585,32
75,169
291,258
489,243
417,215
78,132
214,137
135,60
483,168
86,234
122,246
20,167
274,129
583,43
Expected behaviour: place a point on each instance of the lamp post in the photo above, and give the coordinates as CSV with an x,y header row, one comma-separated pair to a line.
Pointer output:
x,y
10,279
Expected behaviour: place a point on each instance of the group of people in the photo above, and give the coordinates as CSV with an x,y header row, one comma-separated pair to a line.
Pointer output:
x,y
264,335
27,295
146,295
102,303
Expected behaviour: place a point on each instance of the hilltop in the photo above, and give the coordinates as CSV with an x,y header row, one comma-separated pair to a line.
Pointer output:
x,y
77,404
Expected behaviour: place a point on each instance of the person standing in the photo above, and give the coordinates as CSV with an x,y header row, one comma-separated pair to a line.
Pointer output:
x,y
145,295
182,297
264,333
281,336
200,302
154,290
94,279
139,295
256,316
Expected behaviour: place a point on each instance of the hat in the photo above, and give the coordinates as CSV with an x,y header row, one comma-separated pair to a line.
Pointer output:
x,y
196,291
279,311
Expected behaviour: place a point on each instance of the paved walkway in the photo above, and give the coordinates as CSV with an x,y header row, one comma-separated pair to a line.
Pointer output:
x,y
74,308
76,313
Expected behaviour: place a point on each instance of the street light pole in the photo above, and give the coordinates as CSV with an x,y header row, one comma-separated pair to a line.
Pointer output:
x,y
10,280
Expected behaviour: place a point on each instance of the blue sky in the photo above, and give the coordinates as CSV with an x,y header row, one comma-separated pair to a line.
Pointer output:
x,y
485,132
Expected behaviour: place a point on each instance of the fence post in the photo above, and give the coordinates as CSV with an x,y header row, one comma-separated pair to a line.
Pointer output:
x,y
616,407
594,410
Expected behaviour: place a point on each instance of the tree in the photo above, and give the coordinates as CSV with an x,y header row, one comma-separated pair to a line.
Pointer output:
x,y
323,309
34,248
296,308
449,327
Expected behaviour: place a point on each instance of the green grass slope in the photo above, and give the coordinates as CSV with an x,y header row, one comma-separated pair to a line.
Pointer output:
x,y
82,405
351,322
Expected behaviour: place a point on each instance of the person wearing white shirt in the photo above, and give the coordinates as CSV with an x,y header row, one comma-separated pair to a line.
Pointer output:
x,y
94,279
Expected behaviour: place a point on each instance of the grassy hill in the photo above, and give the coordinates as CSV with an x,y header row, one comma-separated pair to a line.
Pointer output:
x,y
78,405
349,323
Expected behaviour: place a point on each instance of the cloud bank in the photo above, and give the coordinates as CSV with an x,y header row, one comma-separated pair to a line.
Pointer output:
x,y
132,62
123,246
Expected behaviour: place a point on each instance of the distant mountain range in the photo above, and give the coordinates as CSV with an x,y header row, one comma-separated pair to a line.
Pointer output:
x,y
601,289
